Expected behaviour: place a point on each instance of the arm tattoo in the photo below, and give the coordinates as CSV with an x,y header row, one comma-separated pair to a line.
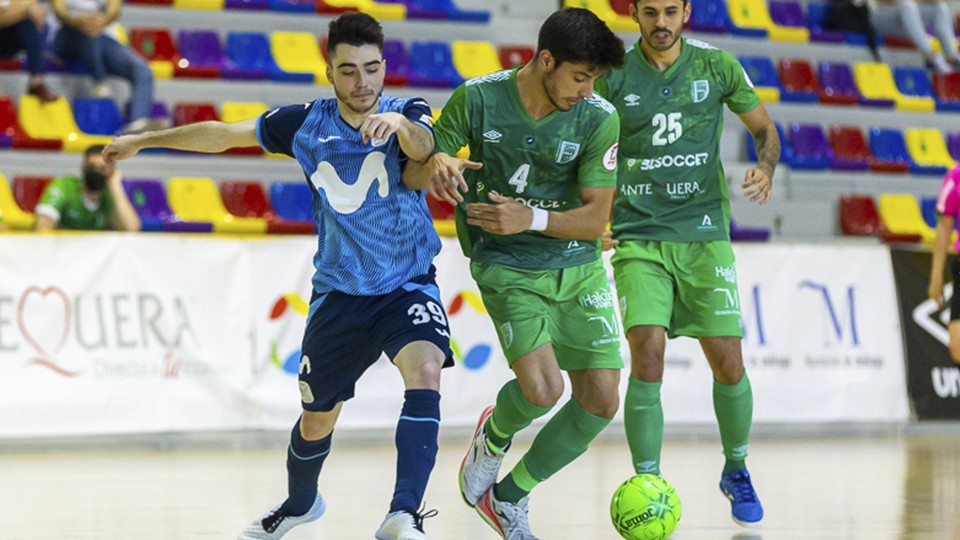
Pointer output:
x,y
768,150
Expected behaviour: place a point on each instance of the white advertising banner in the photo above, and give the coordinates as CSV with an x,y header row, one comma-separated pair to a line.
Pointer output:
x,y
112,333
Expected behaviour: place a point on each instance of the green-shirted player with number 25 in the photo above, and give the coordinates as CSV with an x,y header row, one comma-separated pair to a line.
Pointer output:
x,y
539,186
673,265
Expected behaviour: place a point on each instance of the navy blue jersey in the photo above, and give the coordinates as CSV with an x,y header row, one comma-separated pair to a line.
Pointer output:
x,y
375,233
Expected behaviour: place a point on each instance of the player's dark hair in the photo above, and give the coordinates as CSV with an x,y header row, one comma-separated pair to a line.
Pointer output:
x,y
355,29
95,149
577,35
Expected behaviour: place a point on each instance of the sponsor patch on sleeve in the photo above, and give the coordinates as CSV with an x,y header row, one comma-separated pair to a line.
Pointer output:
x,y
610,157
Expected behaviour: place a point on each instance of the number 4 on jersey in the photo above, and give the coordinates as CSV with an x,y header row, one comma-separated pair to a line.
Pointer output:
x,y
519,178
667,123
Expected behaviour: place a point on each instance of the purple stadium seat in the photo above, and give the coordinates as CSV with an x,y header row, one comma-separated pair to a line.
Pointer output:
x,y
787,13
810,147
748,234
398,62
150,201
441,9
246,4
816,12
711,17
202,50
431,65
953,145
836,83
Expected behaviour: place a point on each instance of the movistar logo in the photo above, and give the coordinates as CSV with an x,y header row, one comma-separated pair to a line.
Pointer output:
x,y
348,198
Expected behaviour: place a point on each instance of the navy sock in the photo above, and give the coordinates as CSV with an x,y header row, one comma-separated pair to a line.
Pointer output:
x,y
304,461
416,441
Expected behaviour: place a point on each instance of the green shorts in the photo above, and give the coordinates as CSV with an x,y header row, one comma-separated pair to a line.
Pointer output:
x,y
689,288
571,308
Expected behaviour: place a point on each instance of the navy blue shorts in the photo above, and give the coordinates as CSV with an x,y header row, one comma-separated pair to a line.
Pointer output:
x,y
346,334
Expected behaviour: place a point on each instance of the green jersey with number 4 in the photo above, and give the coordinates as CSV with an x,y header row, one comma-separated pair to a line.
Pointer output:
x,y
671,185
540,163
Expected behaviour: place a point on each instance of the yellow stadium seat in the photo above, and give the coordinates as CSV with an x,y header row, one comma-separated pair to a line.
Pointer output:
x,y
767,94
383,12
299,52
901,215
602,9
754,14
13,216
55,121
475,58
445,227
197,199
206,5
236,111
927,147
875,81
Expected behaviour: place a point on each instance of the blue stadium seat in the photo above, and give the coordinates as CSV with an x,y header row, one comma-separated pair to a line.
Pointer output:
x,y
914,81
292,200
97,116
890,145
711,17
292,6
250,57
928,208
431,65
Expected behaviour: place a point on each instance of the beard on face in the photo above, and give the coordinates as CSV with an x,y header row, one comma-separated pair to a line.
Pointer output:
x,y
655,45
346,100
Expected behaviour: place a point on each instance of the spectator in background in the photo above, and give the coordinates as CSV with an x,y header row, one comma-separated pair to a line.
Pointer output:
x,y
910,19
89,33
22,29
96,202
948,206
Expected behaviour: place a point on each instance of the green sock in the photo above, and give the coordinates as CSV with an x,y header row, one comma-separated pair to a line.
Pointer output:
x,y
733,404
643,422
511,414
561,440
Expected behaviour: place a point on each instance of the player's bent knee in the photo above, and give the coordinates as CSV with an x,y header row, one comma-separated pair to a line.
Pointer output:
x,y
602,406
544,395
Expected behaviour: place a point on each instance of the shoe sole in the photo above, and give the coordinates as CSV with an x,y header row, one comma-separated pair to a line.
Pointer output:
x,y
489,519
483,419
734,518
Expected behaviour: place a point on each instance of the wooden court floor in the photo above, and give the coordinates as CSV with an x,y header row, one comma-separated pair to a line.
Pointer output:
x,y
889,486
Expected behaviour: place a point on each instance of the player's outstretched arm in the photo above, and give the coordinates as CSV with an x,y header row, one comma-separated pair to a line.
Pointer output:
x,y
506,216
209,137
441,176
758,181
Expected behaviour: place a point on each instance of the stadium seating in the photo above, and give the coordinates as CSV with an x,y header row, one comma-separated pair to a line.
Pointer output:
x,y
27,191
292,6
788,14
431,65
446,9
837,85
878,89
380,11
787,155
55,120
816,16
292,201
252,5
711,17
97,116
753,15
197,199
929,150
151,2
740,233
859,217
852,153
398,62
810,148
928,209
10,129
913,81
247,199
475,58
201,54
953,145
150,201
206,5
901,215
799,82
515,55
298,52
248,57
190,113
889,145
764,77
947,88
616,21
13,216
156,45
235,111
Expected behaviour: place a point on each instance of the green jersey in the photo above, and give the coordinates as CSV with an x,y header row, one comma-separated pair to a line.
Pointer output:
x,y
540,163
671,185
63,201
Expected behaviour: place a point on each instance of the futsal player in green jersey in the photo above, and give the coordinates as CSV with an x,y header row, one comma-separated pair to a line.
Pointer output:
x,y
674,265
539,186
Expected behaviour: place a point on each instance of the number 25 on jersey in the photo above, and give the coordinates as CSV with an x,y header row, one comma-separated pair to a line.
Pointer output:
x,y
668,127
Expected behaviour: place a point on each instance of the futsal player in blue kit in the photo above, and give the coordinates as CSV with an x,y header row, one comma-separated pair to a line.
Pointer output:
x,y
373,290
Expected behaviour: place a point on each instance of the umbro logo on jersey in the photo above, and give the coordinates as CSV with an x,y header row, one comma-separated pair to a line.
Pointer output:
x,y
632,100
492,136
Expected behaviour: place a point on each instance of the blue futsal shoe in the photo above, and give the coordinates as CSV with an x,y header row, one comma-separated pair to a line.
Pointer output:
x,y
744,503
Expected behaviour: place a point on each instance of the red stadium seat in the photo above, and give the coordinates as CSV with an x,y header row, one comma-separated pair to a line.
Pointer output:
x,y
797,76
849,144
440,209
947,87
10,128
621,6
190,113
515,55
28,189
859,217
155,44
325,8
